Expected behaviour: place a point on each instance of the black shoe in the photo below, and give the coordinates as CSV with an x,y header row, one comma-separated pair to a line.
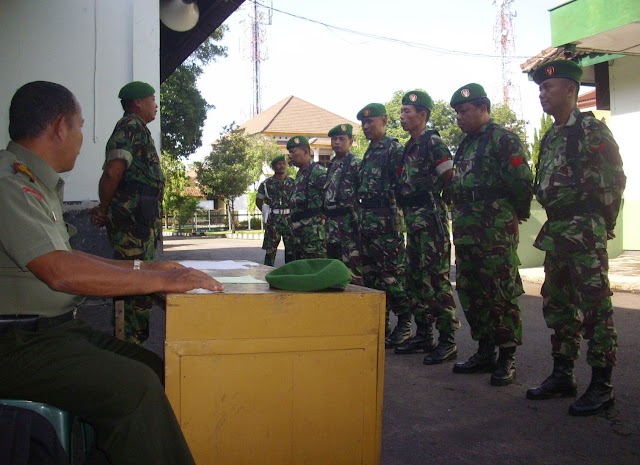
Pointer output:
x,y
401,333
423,340
561,382
483,361
446,350
598,396
505,373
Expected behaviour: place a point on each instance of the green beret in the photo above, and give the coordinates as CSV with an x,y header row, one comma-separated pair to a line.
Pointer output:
x,y
344,129
418,97
467,93
297,141
558,69
277,159
136,89
373,109
312,274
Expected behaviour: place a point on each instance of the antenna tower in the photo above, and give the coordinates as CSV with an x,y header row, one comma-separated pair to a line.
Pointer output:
x,y
505,42
259,19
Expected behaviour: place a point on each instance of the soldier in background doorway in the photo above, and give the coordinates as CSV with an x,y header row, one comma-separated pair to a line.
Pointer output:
x,y
275,192
130,191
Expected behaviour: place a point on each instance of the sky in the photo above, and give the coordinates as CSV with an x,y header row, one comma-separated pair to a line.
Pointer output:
x,y
438,46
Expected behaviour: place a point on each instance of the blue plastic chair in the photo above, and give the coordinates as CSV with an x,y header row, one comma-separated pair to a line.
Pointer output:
x,y
62,421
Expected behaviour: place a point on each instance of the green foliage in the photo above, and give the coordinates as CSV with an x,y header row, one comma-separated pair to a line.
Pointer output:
x,y
264,150
231,167
186,208
174,202
545,124
183,109
505,116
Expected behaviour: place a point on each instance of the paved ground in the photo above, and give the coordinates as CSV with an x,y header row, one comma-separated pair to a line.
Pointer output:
x,y
432,416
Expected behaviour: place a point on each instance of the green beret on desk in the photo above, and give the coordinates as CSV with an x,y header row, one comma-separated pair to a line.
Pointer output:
x,y
308,275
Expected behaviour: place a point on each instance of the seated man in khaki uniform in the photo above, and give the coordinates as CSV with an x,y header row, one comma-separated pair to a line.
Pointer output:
x,y
46,355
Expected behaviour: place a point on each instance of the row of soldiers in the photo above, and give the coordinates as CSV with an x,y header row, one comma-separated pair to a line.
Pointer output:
x,y
357,210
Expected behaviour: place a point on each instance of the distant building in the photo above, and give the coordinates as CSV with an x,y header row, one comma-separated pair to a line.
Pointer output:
x,y
293,116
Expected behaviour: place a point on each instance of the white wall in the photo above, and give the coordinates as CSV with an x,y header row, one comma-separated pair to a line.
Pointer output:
x,y
625,123
92,47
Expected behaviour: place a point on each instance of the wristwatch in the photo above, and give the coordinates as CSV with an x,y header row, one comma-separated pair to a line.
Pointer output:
x,y
137,264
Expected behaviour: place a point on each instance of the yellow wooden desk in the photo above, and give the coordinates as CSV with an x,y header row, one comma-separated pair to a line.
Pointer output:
x,y
259,376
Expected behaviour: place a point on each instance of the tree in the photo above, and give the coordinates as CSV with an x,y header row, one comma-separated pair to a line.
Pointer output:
x,y
505,116
175,202
183,109
230,168
545,124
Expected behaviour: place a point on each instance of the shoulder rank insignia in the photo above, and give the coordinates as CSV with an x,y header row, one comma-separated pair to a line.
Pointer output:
x,y
22,168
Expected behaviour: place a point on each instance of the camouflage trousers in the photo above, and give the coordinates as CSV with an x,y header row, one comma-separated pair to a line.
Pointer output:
x,y
577,303
384,260
431,293
488,284
277,228
309,237
133,245
343,243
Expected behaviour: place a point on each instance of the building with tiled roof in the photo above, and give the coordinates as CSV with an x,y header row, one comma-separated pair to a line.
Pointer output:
x,y
293,116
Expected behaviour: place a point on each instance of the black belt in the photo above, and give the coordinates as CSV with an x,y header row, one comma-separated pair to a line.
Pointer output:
x,y
10,323
477,195
340,211
567,211
375,203
304,214
417,200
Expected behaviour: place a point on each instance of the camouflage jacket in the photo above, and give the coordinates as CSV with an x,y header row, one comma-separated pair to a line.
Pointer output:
x,y
581,192
308,190
378,171
341,187
139,195
491,190
276,192
423,162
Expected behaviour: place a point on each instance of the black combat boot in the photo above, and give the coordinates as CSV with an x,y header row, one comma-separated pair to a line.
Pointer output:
x,y
423,340
505,372
483,361
561,382
446,350
598,396
401,333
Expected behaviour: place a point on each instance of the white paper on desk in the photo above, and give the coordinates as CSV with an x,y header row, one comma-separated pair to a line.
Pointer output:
x,y
217,265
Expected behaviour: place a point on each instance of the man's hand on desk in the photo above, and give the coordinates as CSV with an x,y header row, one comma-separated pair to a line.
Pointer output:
x,y
161,265
185,279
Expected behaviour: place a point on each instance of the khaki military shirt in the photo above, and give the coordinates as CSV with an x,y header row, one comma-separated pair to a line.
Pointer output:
x,y
31,226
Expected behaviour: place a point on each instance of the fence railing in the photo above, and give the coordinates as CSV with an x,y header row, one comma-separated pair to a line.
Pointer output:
x,y
216,220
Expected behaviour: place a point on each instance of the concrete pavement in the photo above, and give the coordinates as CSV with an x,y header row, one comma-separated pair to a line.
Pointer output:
x,y
433,416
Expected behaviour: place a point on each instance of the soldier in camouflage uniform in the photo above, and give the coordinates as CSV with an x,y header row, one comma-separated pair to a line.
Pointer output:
x,y
579,182
307,217
491,192
383,250
276,193
427,167
130,193
341,206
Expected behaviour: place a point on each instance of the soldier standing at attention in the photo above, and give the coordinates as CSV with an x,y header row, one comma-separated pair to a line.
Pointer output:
x,y
579,182
130,192
307,217
341,206
276,193
491,191
427,167
383,251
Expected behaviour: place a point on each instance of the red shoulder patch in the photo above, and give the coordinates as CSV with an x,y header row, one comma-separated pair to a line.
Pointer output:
x,y
597,148
517,161
438,162
28,190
